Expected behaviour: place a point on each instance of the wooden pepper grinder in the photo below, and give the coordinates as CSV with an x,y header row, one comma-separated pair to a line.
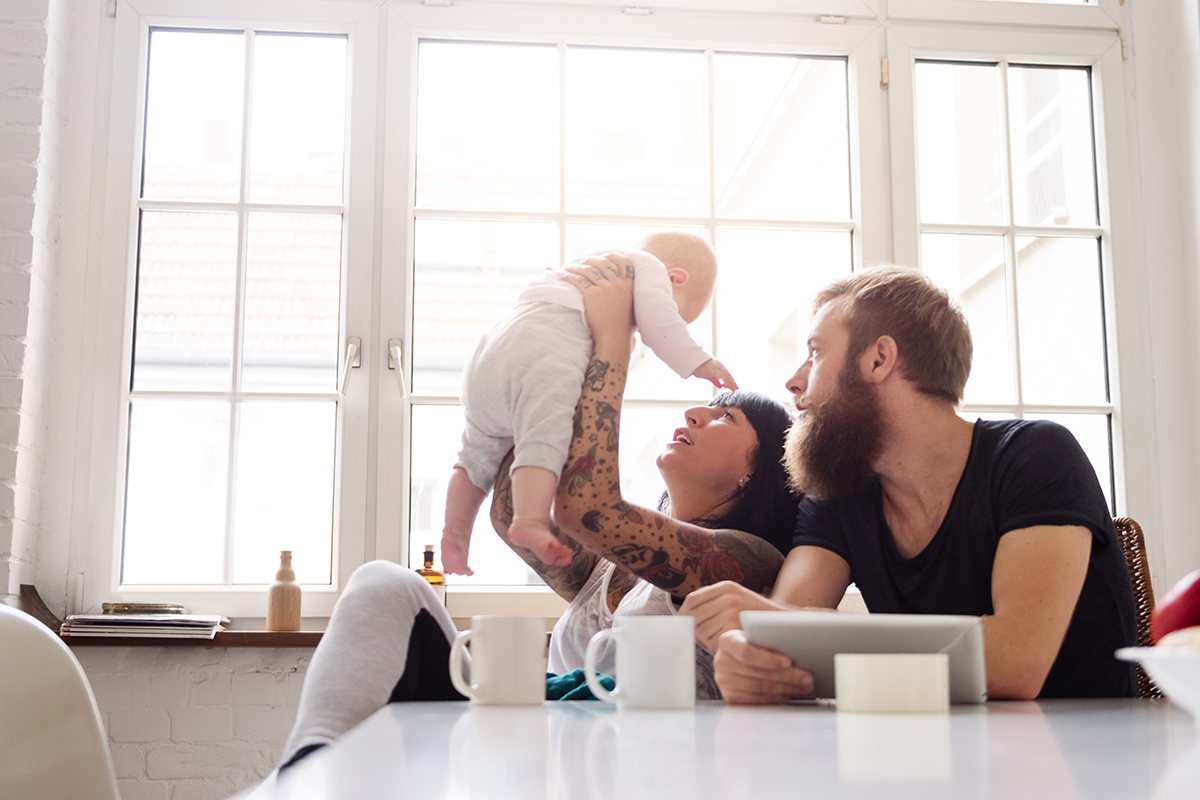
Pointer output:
x,y
283,598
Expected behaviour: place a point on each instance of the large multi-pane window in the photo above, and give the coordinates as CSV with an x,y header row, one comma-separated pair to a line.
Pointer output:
x,y
233,396
528,155
388,174
1009,221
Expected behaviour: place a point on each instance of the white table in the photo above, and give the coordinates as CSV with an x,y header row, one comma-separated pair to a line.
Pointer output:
x,y
588,750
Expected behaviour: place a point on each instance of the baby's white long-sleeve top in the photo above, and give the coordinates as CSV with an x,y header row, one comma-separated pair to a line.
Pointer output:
x,y
654,310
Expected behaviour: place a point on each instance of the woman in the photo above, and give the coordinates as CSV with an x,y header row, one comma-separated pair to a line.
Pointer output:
x,y
388,639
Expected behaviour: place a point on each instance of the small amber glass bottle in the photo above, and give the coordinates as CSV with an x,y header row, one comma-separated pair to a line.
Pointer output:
x,y
436,579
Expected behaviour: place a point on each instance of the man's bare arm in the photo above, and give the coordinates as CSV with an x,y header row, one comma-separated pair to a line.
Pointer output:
x,y
811,577
1036,580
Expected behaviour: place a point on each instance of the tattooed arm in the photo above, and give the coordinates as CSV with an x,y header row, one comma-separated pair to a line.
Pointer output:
x,y
670,554
565,581
673,555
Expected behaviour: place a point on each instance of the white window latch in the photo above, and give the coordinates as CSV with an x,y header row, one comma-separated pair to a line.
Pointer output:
x,y
353,360
396,362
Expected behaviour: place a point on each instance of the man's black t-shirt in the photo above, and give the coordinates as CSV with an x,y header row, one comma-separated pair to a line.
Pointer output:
x,y
1019,474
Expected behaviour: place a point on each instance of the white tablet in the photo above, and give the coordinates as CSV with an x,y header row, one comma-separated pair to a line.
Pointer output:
x,y
812,638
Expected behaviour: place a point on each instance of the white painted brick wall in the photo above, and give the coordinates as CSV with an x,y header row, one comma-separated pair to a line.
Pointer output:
x,y
194,723
34,47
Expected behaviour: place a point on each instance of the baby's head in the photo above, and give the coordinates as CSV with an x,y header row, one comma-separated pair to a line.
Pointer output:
x,y
691,266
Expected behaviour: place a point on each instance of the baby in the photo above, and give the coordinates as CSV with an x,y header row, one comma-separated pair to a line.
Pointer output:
x,y
521,386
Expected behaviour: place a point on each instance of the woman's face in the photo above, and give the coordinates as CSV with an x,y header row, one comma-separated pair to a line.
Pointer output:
x,y
712,451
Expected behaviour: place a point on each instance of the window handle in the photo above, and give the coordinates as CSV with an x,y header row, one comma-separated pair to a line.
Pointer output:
x,y
353,348
396,362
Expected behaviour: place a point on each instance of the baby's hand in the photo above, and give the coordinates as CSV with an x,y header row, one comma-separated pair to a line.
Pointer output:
x,y
715,373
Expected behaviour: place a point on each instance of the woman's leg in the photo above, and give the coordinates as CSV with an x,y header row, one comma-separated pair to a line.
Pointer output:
x,y
385,634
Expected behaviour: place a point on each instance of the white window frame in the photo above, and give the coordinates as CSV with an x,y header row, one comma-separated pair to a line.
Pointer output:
x,y
1100,14
1126,314
372,511
113,332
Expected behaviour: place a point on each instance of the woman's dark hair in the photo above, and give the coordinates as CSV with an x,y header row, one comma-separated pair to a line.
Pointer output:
x,y
764,505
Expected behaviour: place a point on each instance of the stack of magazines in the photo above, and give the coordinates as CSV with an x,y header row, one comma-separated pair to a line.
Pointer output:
x,y
145,620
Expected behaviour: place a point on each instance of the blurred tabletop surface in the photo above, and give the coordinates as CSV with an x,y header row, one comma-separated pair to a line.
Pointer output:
x,y
559,751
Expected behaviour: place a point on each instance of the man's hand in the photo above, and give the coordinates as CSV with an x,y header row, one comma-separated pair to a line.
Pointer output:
x,y
745,673
715,373
716,610
752,675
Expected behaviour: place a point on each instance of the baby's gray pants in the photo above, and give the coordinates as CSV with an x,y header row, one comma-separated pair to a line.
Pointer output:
x,y
521,388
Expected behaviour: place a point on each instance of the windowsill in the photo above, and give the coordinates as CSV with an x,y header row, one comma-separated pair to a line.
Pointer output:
x,y
222,639
464,602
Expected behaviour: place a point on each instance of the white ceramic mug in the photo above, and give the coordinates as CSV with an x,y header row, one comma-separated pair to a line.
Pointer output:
x,y
508,661
656,662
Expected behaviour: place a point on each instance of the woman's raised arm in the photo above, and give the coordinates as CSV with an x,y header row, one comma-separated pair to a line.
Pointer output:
x,y
676,556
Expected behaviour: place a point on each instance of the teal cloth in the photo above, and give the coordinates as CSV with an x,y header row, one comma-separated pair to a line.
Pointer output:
x,y
573,685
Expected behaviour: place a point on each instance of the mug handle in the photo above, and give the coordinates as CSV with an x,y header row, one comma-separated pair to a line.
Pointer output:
x,y
589,668
456,662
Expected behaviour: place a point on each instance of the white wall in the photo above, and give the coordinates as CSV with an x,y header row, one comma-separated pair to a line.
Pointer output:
x,y
32,53
1165,130
194,723
48,76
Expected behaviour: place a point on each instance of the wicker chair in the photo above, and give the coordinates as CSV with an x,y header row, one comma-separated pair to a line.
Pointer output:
x,y
1133,545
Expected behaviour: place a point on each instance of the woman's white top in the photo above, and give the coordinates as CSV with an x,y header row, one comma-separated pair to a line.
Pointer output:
x,y
588,613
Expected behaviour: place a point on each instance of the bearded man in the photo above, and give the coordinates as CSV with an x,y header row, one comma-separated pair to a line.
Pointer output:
x,y
928,513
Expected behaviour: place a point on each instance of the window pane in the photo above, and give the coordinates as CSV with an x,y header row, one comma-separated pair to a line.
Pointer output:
x,y
972,269
958,143
1093,433
645,433
175,492
468,276
298,120
293,284
187,265
649,378
764,299
194,91
487,127
1061,320
781,137
635,131
436,439
284,493
583,239
1054,166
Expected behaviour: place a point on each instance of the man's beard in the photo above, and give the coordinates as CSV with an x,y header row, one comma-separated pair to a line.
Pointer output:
x,y
831,449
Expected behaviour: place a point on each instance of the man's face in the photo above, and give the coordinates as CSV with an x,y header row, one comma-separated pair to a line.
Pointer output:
x,y
828,341
832,447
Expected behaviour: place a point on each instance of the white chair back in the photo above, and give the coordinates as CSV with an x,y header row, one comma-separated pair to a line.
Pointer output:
x,y
52,740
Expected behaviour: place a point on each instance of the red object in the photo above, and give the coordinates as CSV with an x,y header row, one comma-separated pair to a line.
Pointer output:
x,y
1179,608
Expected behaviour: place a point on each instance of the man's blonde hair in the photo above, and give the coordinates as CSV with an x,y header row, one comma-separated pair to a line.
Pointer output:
x,y
931,333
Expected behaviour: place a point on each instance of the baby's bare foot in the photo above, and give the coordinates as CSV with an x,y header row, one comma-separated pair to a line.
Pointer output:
x,y
537,537
454,553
